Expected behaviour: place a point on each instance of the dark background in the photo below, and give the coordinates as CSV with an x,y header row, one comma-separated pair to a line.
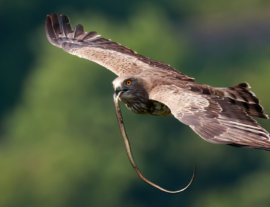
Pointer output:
x,y
60,144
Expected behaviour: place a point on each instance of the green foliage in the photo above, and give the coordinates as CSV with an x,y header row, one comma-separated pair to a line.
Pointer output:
x,y
61,145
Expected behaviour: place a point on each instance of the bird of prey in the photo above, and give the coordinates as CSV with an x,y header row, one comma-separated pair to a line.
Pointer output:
x,y
149,87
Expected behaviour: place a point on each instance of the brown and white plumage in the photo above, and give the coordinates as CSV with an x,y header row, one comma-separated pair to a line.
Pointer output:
x,y
218,115
208,112
115,57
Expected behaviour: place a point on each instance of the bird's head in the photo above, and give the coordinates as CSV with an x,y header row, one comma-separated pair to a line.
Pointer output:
x,y
131,87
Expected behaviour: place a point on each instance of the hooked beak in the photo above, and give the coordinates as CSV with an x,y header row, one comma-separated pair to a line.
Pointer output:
x,y
118,89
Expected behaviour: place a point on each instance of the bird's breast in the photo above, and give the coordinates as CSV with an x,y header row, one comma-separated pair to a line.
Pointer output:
x,y
149,107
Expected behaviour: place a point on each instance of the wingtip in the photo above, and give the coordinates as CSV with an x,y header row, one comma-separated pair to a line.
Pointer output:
x,y
51,15
48,18
65,25
51,29
64,17
247,85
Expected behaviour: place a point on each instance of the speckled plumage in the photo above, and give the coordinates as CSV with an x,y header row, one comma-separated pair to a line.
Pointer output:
x,y
218,115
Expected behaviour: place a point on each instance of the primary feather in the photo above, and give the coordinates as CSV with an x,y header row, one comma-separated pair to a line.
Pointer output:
x,y
117,58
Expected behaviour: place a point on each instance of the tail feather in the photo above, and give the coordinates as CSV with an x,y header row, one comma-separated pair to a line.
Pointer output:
x,y
240,96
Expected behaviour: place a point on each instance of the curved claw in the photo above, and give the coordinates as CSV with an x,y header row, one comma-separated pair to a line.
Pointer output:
x,y
128,149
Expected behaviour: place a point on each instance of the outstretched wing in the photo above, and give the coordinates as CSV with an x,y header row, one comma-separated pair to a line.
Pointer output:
x,y
208,112
117,58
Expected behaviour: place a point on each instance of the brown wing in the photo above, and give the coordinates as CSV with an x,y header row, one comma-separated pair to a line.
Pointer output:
x,y
117,58
212,116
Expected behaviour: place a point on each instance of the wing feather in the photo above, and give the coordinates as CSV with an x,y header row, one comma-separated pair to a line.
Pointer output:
x,y
211,116
117,58
50,32
55,24
78,31
65,25
90,35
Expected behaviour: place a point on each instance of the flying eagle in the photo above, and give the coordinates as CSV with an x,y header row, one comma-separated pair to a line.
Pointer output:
x,y
150,87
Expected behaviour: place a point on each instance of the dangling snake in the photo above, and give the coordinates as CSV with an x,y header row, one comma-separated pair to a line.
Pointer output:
x,y
128,149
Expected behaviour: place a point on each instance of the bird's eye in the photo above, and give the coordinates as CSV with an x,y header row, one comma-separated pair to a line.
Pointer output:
x,y
113,86
128,82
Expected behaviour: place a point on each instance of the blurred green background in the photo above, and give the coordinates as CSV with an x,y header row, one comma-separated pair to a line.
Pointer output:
x,y
60,145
